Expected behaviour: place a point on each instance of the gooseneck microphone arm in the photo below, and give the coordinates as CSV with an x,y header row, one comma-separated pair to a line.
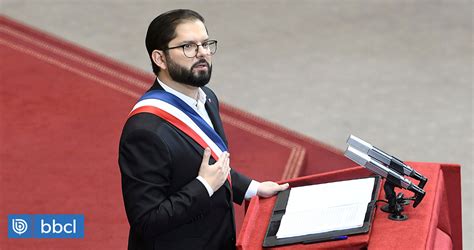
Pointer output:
x,y
388,160
390,175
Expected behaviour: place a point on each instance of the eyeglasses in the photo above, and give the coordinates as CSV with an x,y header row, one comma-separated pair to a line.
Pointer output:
x,y
190,50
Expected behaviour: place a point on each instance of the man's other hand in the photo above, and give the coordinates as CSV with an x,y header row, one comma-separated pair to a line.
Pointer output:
x,y
216,174
269,188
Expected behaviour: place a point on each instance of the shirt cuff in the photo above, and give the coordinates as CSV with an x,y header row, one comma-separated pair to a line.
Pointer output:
x,y
252,190
206,185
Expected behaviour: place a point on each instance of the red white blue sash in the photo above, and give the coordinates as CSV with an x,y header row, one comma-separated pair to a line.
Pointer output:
x,y
182,116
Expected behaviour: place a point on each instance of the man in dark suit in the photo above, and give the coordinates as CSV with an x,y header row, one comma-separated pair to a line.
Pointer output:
x,y
176,196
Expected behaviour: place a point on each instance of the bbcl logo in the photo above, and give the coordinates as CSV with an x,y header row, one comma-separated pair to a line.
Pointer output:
x,y
19,226
46,226
57,228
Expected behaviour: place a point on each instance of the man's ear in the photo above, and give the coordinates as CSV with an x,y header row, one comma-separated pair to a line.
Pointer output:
x,y
159,58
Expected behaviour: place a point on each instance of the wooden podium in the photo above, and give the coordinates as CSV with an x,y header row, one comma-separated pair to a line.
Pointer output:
x,y
435,224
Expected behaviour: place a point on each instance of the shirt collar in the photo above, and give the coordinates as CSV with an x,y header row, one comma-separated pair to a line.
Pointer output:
x,y
188,100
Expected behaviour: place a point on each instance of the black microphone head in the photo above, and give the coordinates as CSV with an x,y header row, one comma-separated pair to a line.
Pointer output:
x,y
418,198
423,180
419,194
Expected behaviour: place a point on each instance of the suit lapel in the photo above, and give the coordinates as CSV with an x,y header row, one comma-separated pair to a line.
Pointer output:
x,y
213,113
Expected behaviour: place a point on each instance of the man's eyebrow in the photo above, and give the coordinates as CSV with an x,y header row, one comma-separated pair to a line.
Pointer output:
x,y
193,41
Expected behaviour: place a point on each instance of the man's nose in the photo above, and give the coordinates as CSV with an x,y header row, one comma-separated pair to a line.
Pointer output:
x,y
201,51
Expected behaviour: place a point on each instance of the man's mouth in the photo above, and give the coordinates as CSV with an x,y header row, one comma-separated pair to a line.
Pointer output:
x,y
201,66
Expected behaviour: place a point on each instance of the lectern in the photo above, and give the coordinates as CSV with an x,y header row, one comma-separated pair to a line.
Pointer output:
x,y
435,224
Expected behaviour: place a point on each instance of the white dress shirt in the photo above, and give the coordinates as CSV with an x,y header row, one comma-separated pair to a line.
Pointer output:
x,y
199,106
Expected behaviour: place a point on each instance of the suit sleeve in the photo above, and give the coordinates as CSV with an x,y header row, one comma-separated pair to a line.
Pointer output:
x,y
145,163
240,184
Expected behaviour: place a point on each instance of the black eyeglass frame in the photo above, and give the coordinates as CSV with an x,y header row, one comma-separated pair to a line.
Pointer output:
x,y
209,42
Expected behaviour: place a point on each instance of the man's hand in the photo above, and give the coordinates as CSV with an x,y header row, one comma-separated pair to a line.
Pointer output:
x,y
269,188
216,174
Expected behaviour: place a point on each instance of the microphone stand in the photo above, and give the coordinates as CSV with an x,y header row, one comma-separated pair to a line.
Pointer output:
x,y
395,204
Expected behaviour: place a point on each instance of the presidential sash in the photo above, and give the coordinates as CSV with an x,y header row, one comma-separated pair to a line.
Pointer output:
x,y
175,111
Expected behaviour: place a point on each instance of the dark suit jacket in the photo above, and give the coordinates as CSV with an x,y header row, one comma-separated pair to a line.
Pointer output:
x,y
166,206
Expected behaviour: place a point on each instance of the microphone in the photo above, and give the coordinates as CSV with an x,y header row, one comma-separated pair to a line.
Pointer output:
x,y
390,175
388,160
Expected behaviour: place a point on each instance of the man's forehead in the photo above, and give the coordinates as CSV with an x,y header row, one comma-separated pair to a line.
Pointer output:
x,y
191,31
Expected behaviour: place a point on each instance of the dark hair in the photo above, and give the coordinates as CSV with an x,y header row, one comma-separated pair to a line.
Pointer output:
x,y
163,29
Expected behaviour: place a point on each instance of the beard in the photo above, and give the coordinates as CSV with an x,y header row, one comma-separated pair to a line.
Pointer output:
x,y
186,76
